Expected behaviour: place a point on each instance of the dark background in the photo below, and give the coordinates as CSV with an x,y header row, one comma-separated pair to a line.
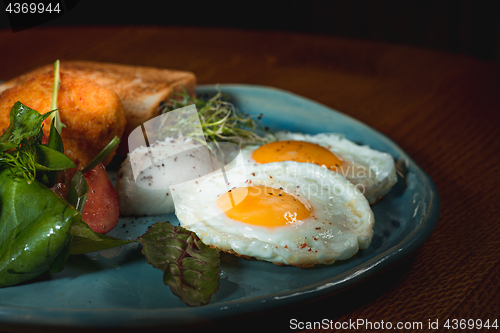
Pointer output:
x,y
470,27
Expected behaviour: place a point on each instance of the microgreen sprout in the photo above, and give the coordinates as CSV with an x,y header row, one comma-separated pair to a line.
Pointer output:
x,y
220,120
21,160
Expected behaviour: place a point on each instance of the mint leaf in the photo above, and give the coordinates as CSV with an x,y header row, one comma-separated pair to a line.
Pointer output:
x,y
191,268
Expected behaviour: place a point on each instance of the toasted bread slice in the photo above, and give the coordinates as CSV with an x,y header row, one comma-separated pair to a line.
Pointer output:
x,y
140,89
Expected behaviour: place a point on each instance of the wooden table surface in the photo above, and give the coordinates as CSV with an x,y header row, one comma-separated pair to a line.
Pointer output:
x,y
442,109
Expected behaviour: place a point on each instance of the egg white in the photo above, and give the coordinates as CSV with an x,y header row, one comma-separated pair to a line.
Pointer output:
x,y
374,172
143,179
341,222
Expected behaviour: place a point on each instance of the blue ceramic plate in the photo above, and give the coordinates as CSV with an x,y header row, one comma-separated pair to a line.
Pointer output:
x,y
117,288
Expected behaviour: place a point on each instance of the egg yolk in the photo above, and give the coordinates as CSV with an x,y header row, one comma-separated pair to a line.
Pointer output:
x,y
298,151
263,206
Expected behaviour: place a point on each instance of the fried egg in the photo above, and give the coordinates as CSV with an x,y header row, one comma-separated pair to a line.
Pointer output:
x,y
373,172
287,213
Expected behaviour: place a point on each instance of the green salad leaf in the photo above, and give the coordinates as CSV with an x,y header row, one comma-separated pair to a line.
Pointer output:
x,y
48,159
60,261
78,191
24,123
85,240
191,268
34,227
102,155
55,143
